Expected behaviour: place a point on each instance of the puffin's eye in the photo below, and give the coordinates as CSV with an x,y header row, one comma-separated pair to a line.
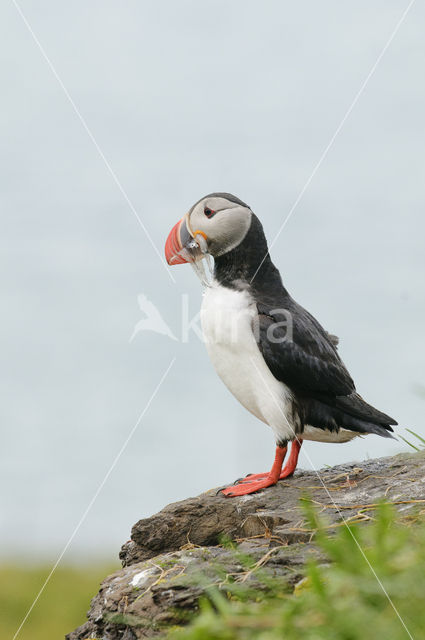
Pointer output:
x,y
209,212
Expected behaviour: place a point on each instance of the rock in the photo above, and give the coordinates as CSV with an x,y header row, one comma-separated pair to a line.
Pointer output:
x,y
176,554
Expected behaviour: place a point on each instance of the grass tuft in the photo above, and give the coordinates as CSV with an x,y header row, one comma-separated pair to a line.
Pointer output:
x,y
373,587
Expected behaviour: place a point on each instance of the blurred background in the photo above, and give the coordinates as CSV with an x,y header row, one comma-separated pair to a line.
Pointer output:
x,y
184,98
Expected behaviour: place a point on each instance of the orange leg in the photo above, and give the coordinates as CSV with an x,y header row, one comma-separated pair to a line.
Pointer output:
x,y
292,462
251,485
287,470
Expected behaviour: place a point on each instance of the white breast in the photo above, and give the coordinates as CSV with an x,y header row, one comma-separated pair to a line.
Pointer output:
x,y
227,324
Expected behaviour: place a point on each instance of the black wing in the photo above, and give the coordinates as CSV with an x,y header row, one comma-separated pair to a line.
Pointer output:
x,y
300,353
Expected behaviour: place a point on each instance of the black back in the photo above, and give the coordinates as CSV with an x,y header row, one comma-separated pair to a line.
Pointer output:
x,y
306,357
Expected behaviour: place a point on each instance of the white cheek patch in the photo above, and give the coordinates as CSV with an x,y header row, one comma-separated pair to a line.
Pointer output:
x,y
225,230
231,230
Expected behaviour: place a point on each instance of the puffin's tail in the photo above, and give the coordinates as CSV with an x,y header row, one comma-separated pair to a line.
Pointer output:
x,y
358,415
356,406
349,412
361,426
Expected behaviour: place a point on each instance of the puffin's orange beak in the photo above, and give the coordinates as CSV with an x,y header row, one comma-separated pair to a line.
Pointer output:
x,y
183,246
174,246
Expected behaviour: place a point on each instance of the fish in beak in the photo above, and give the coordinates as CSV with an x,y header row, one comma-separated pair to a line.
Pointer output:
x,y
184,245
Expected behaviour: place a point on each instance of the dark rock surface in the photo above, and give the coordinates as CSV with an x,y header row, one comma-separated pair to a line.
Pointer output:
x,y
175,555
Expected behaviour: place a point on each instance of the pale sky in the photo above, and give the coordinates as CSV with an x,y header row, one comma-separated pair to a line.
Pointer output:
x,y
184,98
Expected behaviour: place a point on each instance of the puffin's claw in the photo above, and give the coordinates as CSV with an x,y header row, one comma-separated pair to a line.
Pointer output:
x,y
255,482
254,476
245,488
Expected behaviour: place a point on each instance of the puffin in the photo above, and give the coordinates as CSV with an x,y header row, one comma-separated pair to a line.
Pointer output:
x,y
271,353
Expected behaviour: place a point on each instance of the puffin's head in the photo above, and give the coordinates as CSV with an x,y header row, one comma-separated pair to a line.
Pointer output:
x,y
216,224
